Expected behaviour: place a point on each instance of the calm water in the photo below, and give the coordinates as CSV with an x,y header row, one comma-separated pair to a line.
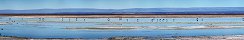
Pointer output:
x,y
52,27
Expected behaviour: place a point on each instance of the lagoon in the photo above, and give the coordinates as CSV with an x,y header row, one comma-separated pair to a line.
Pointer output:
x,y
54,27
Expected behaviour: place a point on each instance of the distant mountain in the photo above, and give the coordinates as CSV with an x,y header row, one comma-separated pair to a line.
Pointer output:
x,y
194,10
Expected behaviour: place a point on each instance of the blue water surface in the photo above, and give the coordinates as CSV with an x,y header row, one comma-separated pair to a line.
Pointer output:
x,y
44,28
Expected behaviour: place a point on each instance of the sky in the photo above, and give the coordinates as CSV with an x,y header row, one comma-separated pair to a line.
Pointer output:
x,y
116,4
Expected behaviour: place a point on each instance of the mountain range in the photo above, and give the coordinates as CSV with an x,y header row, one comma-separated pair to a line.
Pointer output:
x,y
193,10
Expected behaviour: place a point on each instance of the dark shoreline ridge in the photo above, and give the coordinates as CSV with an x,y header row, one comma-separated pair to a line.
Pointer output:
x,y
143,13
224,37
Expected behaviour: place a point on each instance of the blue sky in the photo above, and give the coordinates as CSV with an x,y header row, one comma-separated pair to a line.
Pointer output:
x,y
116,4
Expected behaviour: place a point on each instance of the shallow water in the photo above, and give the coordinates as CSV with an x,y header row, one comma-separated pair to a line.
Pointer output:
x,y
53,27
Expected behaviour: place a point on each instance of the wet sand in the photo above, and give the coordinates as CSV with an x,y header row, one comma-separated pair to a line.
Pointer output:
x,y
153,27
226,37
124,16
3,23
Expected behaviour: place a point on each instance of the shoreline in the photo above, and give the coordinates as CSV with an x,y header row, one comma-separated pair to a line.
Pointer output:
x,y
224,37
154,28
125,16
